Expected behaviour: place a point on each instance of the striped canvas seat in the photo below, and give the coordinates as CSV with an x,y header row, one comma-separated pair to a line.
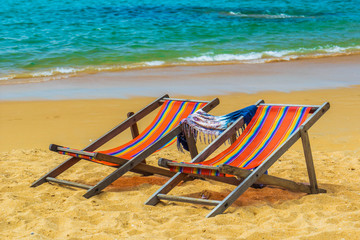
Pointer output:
x,y
270,133
168,117
130,156
268,129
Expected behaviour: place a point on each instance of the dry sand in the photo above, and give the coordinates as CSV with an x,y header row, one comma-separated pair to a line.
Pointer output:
x,y
51,211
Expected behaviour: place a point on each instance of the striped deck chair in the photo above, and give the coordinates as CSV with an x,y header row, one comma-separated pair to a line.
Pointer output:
x,y
271,132
131,156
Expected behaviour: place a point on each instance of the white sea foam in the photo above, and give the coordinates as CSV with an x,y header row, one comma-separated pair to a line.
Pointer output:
x,y
223,57
154,63
57,70
237,57
267,16
337,49
277,53
9,77
260,57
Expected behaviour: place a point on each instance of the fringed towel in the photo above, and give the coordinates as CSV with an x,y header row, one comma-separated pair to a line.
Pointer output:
x,y
208,127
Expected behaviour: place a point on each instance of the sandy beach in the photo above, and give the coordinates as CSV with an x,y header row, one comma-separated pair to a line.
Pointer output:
x,y
51,211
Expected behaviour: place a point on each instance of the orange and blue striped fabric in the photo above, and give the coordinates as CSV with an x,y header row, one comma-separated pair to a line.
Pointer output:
x,y
168,117
268,129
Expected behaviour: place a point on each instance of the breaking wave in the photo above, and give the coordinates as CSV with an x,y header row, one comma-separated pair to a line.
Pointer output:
x,y
208,58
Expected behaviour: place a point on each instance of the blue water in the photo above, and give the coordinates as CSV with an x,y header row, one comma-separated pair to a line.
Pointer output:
x,y
53,39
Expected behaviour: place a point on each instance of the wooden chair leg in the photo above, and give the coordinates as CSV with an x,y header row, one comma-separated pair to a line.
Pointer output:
x,y
135,132
309,160
190,139
134,128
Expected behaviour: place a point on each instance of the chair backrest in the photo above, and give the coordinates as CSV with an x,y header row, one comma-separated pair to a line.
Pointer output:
x,y
168,117
267,130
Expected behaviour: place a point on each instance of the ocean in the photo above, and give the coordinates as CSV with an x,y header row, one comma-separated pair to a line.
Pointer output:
x,y
43,40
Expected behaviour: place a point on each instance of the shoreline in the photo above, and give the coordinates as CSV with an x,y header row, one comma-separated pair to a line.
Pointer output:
x,y
60,73
204,80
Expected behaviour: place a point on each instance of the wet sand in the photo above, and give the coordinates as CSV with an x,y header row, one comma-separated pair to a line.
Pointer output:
x,y
204,80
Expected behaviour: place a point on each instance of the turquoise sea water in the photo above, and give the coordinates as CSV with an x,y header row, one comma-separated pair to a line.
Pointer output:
x,y
53,39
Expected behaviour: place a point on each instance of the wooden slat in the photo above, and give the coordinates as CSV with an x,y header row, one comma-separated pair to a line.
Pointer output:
x,y
102,140
184,100
210,105
188,199
289,105
85,153
69,183
312,110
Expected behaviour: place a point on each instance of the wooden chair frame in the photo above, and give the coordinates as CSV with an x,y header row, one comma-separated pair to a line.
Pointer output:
x,y
248,177
137,164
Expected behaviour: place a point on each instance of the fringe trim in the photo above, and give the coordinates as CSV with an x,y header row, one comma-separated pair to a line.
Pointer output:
x,y
203,135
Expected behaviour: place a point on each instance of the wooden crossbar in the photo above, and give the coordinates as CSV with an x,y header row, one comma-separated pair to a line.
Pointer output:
x,y
143,168
69,183
312,110
57,148
182,100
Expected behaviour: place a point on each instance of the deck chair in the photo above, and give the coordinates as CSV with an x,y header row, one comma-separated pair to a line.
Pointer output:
x,y
270,133
131,156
